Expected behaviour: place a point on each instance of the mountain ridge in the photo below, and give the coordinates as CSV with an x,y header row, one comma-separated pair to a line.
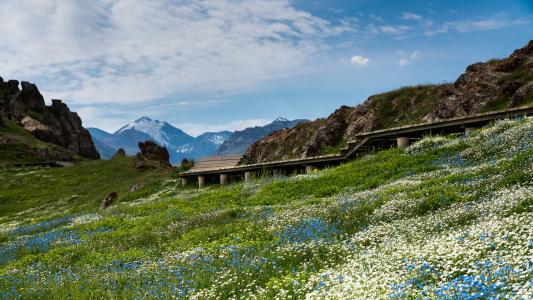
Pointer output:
x,y
180,144
240,140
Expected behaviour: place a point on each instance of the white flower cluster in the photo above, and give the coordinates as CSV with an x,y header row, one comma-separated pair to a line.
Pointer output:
x,y
373,271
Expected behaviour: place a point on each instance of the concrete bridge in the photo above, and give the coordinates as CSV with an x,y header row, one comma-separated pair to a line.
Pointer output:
x,y
223,169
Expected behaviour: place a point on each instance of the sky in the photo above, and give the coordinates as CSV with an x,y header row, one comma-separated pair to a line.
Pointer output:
x,y
216,65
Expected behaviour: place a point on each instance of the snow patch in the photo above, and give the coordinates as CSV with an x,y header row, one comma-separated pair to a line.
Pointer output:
x,y
217,139
151,127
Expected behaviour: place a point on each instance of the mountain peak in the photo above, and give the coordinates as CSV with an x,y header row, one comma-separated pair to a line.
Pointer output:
x,y
281,119
143,118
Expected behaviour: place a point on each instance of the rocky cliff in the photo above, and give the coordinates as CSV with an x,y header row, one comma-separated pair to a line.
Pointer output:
x,y
54,124
496,84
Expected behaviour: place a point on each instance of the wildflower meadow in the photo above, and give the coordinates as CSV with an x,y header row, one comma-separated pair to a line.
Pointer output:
x,y
450,217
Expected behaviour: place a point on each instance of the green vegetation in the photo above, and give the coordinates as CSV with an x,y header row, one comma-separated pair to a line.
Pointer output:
x,y
333,149
406,105
36,192
448,216
22,147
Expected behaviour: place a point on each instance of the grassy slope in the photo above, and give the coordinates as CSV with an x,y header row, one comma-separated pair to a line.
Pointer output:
x,y
25,148
317,234
17,151
35,192
406,105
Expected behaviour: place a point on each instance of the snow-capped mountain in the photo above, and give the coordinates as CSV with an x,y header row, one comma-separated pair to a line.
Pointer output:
x,y
178,143
161,132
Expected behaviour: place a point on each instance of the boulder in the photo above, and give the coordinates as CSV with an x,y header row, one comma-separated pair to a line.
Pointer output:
x,y
136,187
108,200
152,156
32,125
120,153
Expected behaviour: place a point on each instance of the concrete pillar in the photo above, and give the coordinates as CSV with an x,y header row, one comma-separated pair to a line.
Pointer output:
x,y
223,179
201,181
276,172
309,169
247,176
184,181
402,141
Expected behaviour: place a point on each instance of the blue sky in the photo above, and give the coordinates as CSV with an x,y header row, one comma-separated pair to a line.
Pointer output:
x,y
223,64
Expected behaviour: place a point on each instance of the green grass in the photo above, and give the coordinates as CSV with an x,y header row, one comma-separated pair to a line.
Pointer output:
x,y
257,238
44,192
25,148
406,105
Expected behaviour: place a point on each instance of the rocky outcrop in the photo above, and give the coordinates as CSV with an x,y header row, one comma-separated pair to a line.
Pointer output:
x,y
120,153
152,156
55,124
496,84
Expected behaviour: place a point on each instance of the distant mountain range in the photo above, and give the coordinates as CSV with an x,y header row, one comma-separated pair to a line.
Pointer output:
x,y
239,141
179,144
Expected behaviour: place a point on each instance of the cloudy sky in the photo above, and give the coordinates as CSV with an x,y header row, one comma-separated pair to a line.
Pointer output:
x,y
209,65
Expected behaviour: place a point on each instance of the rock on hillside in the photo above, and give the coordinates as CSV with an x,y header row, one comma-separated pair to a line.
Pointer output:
x,y
55,124
239,141
152,156
496,84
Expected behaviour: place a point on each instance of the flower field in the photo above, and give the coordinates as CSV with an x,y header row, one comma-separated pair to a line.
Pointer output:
x,y
448,218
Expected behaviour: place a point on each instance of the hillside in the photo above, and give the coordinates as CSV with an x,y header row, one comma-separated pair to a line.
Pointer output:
x,y
55,124
496,84
450,216
17,145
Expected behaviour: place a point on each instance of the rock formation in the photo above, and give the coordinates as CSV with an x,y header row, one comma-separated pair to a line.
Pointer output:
x,y
120,153
496,84
108,200
55,124
152,156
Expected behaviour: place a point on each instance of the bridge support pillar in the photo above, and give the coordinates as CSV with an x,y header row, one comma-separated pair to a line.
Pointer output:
x,y
201,181
184,181
309,169
276,172
402,141
247,176
470,129
223,179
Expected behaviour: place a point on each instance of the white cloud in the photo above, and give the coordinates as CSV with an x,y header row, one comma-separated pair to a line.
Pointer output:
x,y
359,60
405,58
196,129
95,117
474,25
410,16
394,29
105,51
